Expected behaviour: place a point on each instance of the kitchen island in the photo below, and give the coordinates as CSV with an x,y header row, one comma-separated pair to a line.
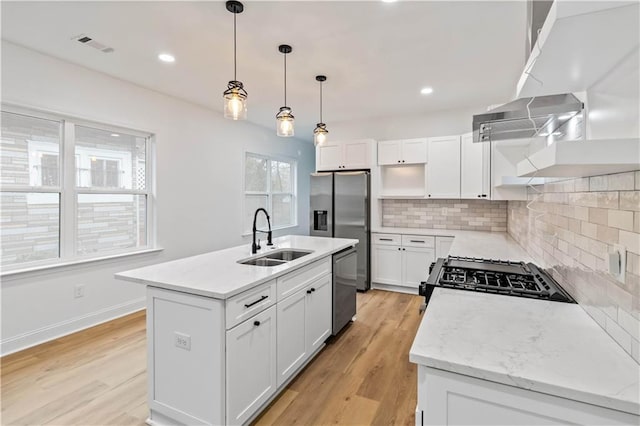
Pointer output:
x,y
224,338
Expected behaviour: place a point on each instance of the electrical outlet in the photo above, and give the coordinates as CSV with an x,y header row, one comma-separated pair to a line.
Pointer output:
x,y
182,340
78,291
618,262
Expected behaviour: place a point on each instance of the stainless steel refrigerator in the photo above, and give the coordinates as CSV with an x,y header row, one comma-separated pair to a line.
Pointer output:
x,y
340,208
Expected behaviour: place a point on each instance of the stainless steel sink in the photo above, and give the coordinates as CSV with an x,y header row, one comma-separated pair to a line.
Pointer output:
x,y
263,261
276,258
288,255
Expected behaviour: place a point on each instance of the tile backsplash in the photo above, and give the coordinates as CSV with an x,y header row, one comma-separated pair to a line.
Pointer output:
x,y
475,215
569,227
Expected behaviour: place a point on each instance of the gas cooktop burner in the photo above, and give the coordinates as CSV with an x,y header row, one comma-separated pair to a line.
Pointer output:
x,y
493,276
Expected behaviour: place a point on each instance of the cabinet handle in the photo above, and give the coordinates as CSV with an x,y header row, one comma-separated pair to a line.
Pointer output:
x,y
403,161
256,323
399,249
484,195
429,195
385,239
417,241
479,196
257,301
403,249
309,291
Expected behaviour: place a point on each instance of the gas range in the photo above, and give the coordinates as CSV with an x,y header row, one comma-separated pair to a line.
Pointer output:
x,y
493,276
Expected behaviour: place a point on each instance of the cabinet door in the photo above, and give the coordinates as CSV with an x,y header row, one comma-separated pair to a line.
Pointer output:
x,y
328,157
472,168
443,169
356,155
389,152
251,365
414,151
387,265
443,245
415,265
318,321
292,334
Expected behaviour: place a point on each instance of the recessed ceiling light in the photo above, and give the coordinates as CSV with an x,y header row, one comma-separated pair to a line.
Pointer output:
x,y
165,57
426,90
389,1
115,135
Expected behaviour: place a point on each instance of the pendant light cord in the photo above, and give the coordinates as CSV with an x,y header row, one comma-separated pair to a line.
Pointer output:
x,y
285,79
235,67
321,102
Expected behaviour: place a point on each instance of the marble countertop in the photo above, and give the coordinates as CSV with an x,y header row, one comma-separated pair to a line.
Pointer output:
x,y
493,245
218,275
549,347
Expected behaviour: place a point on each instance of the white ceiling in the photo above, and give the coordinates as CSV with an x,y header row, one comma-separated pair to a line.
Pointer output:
x,y
376,55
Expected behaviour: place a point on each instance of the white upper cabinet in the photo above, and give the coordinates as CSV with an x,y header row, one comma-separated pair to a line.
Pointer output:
x,y
443,169
347,155
405,151
474,168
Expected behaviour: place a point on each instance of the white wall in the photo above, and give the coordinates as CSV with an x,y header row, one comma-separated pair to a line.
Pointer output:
x,y
439,123
199,189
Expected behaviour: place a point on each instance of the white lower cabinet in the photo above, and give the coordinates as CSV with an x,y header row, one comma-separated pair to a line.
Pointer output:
x,y
304,323
447,398
443,246
215,361
319,313
405,264
251,365
415,265
386,264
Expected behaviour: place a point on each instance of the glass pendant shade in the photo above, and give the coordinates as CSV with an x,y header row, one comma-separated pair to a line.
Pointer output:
x,y
284,122
235,101
235,97
320,134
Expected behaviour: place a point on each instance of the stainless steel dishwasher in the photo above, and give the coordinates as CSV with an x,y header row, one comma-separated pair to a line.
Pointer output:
x,y
345,278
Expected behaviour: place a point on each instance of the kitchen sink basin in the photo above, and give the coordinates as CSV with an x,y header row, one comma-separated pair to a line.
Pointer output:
x,y
263,261
287,255
275,258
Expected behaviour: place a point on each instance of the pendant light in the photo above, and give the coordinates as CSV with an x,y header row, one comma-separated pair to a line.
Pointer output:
x,y
284,118
235,97
320,132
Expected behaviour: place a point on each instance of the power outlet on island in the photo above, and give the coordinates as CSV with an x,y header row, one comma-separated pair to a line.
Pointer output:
x,y
182,341
78,291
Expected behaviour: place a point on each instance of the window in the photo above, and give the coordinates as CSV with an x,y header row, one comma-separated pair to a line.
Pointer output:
x,y
270,183
70,189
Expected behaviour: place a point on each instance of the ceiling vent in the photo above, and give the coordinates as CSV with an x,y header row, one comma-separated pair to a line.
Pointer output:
x,y
88,41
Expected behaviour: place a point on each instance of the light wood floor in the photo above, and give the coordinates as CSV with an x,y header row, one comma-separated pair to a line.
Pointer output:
x,y
98,376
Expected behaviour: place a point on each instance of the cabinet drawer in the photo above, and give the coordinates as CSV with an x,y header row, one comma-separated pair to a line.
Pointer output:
x,y
296,280
418,241
249,303
387,239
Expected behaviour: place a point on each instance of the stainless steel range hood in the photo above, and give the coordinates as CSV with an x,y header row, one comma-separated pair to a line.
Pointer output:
x,y
526,118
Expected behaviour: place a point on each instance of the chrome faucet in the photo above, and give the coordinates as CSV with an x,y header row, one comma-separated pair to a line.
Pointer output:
x,y
255,247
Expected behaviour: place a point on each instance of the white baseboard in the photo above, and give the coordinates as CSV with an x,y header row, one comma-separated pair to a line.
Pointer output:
x,y
396,288
63,328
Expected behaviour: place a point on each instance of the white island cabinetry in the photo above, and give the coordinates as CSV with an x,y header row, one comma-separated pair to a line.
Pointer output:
x,y
223,339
